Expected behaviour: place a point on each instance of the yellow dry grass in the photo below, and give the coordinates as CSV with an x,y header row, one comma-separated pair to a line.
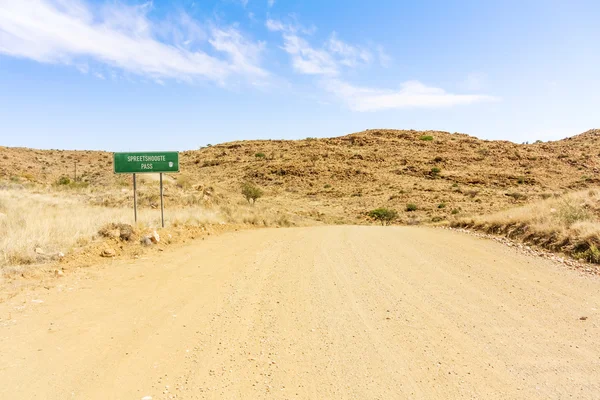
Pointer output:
x,y
55,221
568,223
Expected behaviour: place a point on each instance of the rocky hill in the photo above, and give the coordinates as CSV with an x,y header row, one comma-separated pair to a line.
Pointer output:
x,y
336,180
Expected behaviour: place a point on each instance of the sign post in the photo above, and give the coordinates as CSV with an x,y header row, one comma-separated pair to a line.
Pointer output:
x,y
146,163
134,200
162,208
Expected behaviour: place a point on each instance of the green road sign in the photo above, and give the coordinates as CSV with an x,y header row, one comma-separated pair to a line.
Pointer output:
x,y
139,163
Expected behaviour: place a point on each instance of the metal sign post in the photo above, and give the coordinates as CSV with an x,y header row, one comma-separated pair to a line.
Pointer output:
x,y
145,163
134,199
162,207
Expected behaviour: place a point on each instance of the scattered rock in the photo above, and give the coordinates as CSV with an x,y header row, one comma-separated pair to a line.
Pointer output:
x,y
124,232
146,241
38,250
2,215
58,273
108,252
154,237
583,318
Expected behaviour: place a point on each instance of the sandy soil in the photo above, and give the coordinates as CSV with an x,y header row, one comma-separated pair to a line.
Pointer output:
x,y
310,313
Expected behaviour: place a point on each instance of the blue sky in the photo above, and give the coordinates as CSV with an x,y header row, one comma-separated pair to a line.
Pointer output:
x,y
175,75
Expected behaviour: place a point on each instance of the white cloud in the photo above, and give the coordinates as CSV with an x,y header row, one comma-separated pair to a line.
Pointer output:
x,y
271,3
327,59
412,94
72,31
350,56
276,26
307,60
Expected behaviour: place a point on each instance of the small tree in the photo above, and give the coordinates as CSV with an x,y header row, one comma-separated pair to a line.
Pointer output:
x,y
383,215
251,192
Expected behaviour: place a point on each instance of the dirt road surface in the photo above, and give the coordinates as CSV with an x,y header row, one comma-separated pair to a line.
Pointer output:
x,y
310,313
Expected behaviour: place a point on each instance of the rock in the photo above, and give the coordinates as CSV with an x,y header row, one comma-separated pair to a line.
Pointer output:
x,y
58,273
113,233
145,240
125,232
154,237
582,318
108,252
2,215
38,250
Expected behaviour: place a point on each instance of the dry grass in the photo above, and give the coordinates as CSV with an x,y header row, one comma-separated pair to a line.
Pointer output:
x,y
60,221
568,223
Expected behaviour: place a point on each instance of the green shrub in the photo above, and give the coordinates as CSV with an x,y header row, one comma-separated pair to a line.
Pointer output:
x,y
435,171
570,212
383,215
592,255
442,205
410,207
426,138
327,186
251,192
455,211
260,155
63,180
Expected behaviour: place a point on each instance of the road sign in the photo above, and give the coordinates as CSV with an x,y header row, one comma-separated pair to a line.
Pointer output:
x,y
140,163
145,163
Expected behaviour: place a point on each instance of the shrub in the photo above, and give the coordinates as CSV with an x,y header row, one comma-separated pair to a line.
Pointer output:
x,y
327,186
410,207
521,180
517,196
251,192
455,211
63,180
260,155
569,212
435,171
426,138
442,205
592,255
438,159
383,215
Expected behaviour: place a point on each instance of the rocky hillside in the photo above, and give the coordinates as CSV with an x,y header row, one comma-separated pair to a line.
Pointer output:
x,y
443,175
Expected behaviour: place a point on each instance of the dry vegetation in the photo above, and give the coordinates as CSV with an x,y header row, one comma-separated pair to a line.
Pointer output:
x,y
568,224
424,176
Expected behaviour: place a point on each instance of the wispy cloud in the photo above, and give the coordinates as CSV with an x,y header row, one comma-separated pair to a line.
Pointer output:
x,y
327,59
271,3
350,56
73,31
412,94
307,60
